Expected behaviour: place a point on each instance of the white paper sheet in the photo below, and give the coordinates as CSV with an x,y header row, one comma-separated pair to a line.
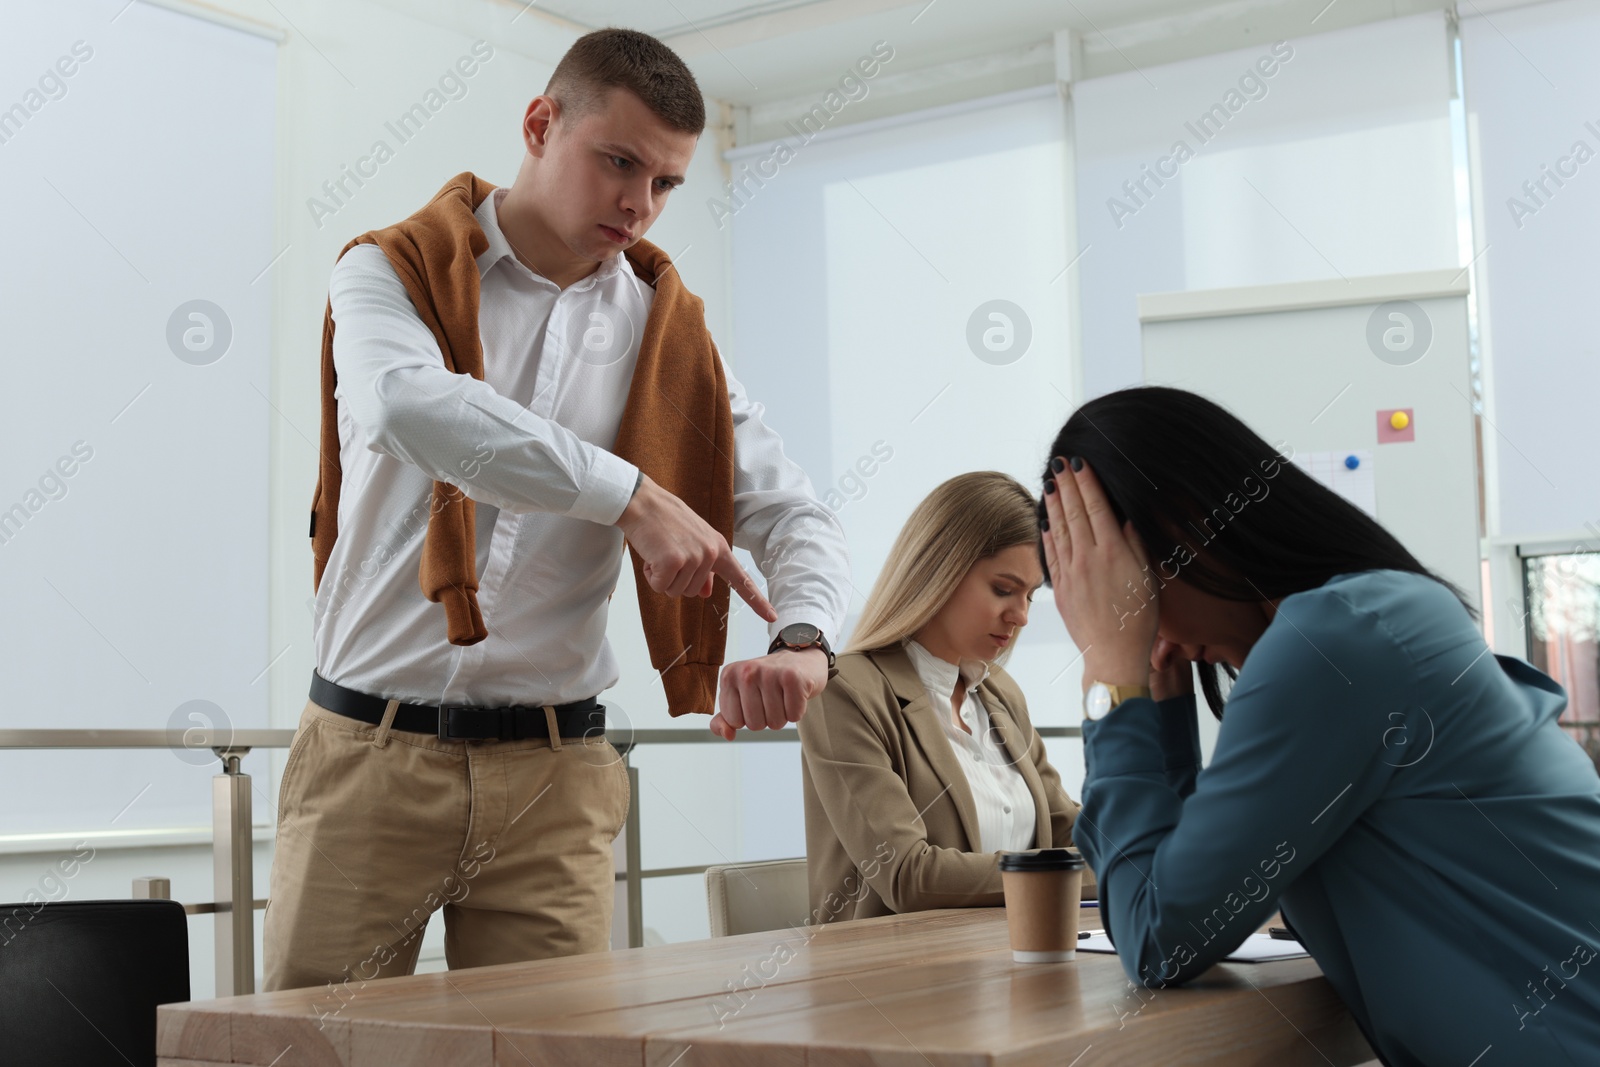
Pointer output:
x,y
1357,486
1257,948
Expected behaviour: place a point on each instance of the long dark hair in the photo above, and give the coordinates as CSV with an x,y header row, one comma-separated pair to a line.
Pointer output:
x,y
1218,506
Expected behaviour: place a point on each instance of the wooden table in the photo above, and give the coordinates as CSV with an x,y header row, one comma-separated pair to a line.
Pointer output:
x,y
929,989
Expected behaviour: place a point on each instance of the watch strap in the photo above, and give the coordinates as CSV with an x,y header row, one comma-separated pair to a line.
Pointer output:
x,y
1119,693
821,642
1113,695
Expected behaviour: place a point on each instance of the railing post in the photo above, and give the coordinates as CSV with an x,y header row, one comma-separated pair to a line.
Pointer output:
x,y
233,876
635,879
152,887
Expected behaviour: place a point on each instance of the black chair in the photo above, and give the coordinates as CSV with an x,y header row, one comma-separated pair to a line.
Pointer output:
x,y
80,980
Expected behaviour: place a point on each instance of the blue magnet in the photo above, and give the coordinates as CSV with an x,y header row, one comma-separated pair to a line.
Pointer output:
x,y
1352,462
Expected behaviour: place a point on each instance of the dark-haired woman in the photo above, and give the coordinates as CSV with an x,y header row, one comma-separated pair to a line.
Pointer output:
x,y
1402,796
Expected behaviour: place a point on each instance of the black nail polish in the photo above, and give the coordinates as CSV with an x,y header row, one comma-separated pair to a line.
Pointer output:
x,y
1049,487
1044,525
1057,466
1077,463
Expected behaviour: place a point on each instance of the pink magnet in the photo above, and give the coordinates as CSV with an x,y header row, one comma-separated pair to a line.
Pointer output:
x,y
1396,425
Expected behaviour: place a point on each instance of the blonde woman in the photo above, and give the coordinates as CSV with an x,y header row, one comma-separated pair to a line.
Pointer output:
x,y
918,759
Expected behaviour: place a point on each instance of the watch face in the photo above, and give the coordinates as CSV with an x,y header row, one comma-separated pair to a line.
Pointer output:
x,y
799,635
1097,701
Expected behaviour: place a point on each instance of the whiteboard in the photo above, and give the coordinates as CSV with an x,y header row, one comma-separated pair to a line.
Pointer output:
x,y
135,420
1312,364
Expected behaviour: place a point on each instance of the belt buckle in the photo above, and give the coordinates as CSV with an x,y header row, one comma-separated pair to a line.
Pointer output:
x,y
504,720
445,711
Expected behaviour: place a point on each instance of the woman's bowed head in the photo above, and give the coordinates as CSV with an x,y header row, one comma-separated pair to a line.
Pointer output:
x,y
1160,499
961,575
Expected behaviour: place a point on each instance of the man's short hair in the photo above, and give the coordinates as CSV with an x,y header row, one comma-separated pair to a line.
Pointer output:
x,y
615,58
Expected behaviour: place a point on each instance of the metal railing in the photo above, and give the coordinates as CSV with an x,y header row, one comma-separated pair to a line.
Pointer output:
x,y
232,820
232,817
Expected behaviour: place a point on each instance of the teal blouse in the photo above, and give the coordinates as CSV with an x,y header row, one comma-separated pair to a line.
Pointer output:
x,y
1403,797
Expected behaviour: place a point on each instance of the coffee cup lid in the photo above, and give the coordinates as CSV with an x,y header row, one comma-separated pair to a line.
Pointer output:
x,y
1043,859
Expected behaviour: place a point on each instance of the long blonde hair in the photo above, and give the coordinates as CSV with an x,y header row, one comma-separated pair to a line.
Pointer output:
x,y
968,518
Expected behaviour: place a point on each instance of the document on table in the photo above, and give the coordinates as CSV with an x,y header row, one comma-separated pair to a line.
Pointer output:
x,y
1257,948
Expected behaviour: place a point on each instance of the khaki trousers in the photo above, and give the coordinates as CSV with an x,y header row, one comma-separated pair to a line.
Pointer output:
x,y
379,828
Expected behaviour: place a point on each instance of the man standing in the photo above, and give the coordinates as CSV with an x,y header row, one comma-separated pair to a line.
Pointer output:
x,y
514,382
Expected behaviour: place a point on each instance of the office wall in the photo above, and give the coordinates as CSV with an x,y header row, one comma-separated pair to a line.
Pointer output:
x,y
1322,156
900,296
1531,88
133,423
134,438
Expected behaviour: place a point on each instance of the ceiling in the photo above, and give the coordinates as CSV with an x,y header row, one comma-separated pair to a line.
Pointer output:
x,y
676,18
750,52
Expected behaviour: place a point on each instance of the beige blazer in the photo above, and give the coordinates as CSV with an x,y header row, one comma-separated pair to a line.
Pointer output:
x,y
891,825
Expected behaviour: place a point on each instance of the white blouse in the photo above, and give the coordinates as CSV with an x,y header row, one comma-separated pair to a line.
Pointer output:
x,y
1006,817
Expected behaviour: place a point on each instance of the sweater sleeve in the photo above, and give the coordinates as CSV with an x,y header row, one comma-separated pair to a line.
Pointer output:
x,y
871,812
1186,876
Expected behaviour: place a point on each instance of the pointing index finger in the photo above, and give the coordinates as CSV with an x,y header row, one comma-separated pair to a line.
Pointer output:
x,y
744,585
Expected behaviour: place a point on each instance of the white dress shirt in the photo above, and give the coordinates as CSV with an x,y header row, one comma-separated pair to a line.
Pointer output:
x,y
529,444
1006,816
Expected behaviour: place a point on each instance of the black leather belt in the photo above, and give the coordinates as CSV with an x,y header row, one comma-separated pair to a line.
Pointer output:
x,y
463,722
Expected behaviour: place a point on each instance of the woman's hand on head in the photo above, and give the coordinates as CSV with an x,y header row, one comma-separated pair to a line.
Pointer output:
x,y
1097,573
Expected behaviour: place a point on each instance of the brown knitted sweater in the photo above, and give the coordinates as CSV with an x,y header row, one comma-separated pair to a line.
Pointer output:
x,y
677,426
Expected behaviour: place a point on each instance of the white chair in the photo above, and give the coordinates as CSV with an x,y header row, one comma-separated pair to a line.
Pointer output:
x,y
744,898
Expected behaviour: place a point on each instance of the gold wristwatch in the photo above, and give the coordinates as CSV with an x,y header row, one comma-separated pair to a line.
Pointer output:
x,y
1101,698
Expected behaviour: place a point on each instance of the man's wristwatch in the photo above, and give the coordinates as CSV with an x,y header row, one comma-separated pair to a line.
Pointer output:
x,y
799,636
1101,698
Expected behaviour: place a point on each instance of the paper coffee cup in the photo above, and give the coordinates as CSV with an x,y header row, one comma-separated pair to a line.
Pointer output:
x,y
1042,889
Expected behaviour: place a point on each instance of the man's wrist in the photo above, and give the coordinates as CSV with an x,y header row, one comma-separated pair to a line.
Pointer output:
x,y
815,656
803,637
632,510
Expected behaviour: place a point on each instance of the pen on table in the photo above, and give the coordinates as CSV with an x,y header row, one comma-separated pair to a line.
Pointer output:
x,y
1088,903
1278,933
